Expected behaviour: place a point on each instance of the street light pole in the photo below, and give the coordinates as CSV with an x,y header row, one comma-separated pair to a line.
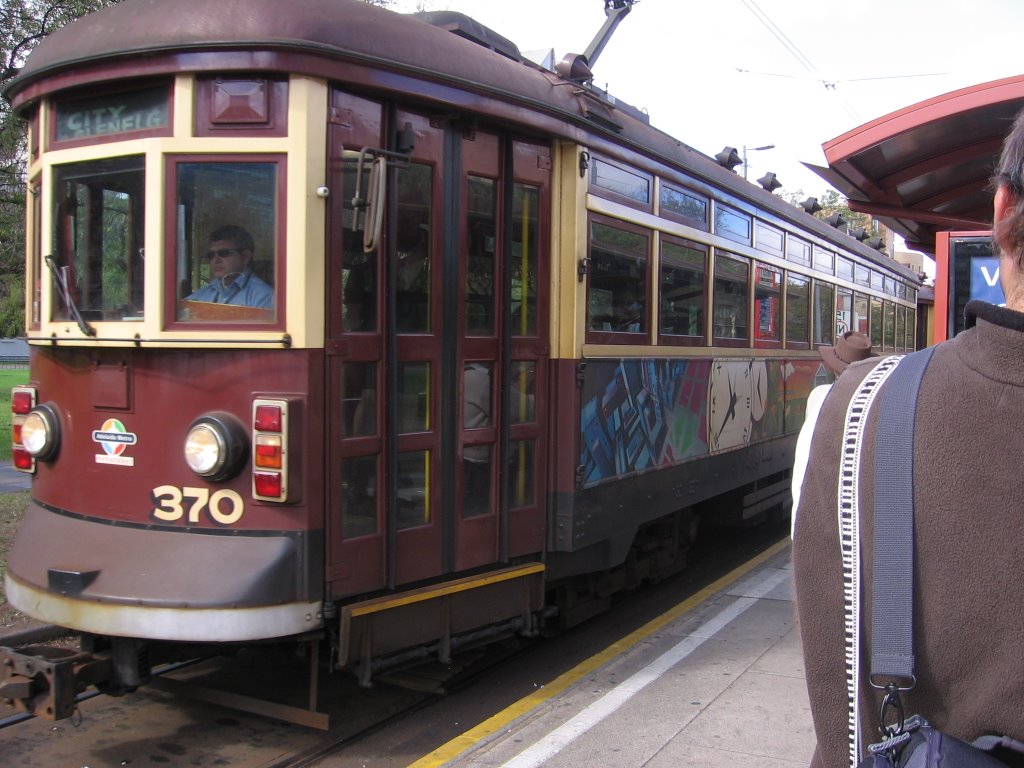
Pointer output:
x,y
753,149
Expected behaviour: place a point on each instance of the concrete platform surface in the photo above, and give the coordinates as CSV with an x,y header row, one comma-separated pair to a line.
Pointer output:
x,y
720,684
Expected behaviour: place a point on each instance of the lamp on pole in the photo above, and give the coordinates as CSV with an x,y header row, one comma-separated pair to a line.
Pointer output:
x,y
753,149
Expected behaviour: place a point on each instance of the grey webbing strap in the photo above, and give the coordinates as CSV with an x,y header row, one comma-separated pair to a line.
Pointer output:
x,y
892,593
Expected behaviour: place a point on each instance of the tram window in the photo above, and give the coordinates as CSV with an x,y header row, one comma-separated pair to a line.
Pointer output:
x,y
767,304
862,275
798,301
889,337
413,397
685,206
844,311
98,220
480,256
520,467
876,323
523,393
798,251
732,276
525,250
617,300
359,269
628,185
226,230
359,399
824,261
731,224
824,319
860,314
413,272
767,238
413,489
844,269
34,279
477,396
681,291
359,491
33,132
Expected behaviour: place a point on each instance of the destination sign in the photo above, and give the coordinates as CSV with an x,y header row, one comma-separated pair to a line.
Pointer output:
x,y
113,114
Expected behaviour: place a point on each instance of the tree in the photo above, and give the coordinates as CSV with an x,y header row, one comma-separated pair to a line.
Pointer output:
x,y
23,24
831,203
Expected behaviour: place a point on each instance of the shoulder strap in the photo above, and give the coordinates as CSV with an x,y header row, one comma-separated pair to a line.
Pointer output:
x,y
892,593
848,505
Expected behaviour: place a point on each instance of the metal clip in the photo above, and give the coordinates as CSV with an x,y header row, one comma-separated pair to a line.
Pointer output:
x,y
891,700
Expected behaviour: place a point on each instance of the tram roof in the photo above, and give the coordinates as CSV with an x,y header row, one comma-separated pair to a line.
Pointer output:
x,y
927,167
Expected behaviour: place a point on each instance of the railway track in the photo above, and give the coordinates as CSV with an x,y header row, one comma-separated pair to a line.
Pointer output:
x,y
418,706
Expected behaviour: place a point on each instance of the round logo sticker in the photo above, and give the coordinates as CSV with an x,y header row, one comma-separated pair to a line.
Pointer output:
x,y
114,437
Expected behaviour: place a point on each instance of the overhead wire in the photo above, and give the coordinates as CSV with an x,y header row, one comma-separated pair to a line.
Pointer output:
x,y
797,54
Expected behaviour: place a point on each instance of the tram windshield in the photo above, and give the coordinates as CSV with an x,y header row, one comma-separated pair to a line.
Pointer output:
x,y
99,233
225,229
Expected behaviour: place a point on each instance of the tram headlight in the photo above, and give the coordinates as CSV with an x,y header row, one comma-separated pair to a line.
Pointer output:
x,y
40,433
216,447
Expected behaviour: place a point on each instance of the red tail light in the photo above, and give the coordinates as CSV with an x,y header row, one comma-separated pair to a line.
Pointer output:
x,y
270,449
23,400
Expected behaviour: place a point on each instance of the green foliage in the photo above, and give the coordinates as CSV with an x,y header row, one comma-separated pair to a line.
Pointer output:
x,y
832,202
23,23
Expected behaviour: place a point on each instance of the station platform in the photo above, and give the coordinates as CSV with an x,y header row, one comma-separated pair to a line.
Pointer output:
x,y
716,681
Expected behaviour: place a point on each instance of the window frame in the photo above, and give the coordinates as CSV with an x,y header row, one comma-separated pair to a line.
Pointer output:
x,y
805,342
679,339
595,189
170,274
642,336
729,341
83,94
768,343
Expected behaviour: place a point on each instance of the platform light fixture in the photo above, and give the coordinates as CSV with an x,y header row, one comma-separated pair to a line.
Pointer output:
x,y
753,149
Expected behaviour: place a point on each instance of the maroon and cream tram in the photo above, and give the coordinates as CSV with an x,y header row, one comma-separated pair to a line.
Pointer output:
x,y
483,342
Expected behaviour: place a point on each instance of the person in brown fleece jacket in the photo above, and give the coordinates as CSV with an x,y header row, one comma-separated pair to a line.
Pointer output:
x,y
969,531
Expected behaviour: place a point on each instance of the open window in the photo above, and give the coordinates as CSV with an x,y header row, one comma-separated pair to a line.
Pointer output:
x,y
98,217
228,234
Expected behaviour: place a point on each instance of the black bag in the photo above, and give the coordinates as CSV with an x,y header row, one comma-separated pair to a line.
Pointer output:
x,y
922,746
909,742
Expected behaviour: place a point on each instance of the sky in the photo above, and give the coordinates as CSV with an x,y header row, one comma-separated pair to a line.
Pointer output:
x,y
754,73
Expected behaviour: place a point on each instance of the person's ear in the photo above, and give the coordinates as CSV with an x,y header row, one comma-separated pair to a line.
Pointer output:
x,y
1003,203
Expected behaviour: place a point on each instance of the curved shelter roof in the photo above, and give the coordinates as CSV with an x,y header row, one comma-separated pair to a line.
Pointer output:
x,y
927,167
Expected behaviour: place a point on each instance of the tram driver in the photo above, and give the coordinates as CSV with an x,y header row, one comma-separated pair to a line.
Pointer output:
x,y
232,280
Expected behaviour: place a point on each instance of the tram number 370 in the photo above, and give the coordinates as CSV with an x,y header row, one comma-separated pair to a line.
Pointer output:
x,y
224,506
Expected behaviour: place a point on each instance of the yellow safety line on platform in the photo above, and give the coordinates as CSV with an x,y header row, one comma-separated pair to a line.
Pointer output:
x,y
500,721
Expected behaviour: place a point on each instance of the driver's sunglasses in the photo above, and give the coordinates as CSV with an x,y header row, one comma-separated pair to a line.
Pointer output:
x,y
221,253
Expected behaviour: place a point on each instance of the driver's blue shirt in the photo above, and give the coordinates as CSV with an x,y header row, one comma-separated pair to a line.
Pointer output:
x,y
246,290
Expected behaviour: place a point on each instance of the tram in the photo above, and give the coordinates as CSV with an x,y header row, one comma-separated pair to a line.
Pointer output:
x,y
359,329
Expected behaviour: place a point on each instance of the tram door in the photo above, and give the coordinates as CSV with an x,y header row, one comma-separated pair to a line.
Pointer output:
x,y
431,470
